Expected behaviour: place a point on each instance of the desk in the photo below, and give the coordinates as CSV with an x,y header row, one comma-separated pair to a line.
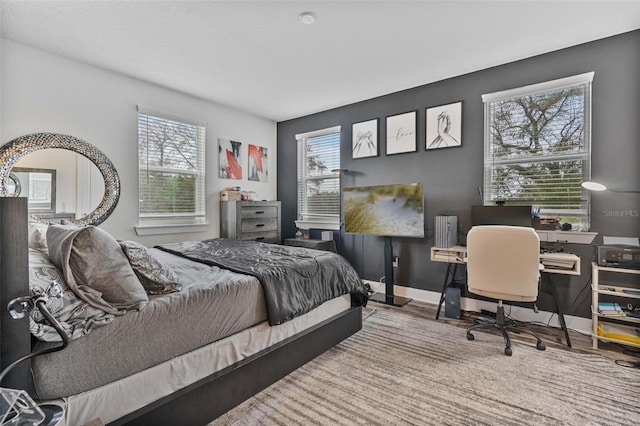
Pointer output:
x,y
553,263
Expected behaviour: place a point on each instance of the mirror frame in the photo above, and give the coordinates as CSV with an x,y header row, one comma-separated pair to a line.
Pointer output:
x,y
12,152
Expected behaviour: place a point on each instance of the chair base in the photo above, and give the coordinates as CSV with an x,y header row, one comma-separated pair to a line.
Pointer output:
x,y
501,325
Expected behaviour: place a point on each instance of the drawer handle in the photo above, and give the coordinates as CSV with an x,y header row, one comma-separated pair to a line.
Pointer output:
x,y
260,212
259,238
258,225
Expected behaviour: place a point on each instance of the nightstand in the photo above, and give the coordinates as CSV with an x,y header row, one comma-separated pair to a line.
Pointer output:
x,y
326,245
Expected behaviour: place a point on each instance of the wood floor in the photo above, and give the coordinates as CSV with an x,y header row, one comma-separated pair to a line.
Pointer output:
x,y
551,336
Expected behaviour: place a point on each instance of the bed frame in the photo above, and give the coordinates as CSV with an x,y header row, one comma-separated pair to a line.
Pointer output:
x,y
198,403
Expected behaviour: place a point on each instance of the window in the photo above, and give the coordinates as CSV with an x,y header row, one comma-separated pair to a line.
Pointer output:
x,y
319,178
171,170
538,148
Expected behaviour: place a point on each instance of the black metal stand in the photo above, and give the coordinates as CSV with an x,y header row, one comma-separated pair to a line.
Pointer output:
x,y
388,297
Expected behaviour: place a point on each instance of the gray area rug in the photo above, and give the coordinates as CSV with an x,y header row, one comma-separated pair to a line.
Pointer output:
x,y
402,369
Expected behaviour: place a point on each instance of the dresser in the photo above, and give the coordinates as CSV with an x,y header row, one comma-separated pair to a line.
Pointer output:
x,y
251,220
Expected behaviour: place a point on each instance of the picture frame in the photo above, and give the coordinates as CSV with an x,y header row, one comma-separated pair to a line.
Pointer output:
x,y
257,163
364,139
401,133
444,126
229,161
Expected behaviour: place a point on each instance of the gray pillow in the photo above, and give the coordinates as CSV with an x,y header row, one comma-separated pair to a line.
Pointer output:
x,y
95,267
76,317
38,235
155,277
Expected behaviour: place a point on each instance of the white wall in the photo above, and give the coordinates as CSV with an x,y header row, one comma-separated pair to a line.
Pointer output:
x,y
42,92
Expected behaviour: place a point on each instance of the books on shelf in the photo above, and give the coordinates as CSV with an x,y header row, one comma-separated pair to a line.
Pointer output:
x,y
610,309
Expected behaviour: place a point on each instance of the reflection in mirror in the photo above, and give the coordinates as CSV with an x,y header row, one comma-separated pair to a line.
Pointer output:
x,y
77,185
39,186
13,186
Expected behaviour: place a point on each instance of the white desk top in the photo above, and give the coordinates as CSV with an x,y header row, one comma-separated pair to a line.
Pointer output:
x,y
556,263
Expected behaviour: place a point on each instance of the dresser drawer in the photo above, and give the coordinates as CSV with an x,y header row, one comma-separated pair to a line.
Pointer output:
x,y
266,237
257,211
259,225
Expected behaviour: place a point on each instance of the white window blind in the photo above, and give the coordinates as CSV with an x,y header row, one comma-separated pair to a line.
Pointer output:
x,y
318,185
538,148
171,164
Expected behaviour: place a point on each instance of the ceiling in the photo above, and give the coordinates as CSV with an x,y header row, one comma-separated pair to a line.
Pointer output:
x,y
256,56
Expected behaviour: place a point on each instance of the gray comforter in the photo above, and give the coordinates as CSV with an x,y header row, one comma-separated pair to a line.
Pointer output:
x,y
295,280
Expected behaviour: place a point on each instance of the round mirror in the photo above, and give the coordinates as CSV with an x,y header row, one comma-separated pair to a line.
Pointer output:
x,y
12,152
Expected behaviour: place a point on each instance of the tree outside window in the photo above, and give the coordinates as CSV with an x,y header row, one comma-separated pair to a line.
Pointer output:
x,y
537,149
171,169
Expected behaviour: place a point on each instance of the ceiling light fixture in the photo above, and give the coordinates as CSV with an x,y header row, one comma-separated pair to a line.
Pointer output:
x,y
307,18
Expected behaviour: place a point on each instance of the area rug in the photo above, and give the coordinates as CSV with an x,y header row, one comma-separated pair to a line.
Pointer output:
x,y
401,369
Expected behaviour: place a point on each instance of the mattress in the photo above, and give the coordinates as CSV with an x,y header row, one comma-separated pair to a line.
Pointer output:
x,y
214,303
126,395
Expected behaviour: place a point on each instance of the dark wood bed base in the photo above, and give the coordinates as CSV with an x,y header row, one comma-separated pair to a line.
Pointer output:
x,y
207,399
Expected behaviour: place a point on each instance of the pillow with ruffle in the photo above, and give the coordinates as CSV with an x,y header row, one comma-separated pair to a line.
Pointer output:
x,y
155,277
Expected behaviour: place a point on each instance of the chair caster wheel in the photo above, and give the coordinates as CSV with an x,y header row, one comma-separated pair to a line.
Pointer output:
x,y
470,336
540,346
508,352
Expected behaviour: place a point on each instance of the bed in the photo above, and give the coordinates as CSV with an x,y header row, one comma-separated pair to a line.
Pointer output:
x,y
212,334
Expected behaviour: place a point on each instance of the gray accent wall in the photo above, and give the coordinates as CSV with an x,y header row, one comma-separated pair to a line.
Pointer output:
x,y
452,176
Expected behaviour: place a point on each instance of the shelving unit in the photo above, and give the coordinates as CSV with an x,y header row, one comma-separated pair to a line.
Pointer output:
x,y
625,323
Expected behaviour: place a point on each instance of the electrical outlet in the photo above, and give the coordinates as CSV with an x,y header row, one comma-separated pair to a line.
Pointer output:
x,y
396,261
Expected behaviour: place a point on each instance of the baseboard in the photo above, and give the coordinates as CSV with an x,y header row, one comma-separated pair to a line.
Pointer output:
x,y
579,324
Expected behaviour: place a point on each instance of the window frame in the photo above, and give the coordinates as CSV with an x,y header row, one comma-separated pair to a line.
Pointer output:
x,y
161,223
491,163
317,221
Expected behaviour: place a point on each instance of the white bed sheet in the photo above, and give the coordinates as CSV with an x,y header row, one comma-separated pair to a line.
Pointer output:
x,y
124,396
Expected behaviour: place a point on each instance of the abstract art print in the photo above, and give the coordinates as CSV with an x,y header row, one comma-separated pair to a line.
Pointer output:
x,y
257,163
401,133
229,159
365,139
444,126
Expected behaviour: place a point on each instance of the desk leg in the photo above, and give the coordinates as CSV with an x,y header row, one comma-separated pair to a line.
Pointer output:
x,y
563,325
448,279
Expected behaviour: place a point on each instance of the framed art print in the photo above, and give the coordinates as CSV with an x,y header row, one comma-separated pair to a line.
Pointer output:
x,y
257,163
401,133
444,126
364,139
229,159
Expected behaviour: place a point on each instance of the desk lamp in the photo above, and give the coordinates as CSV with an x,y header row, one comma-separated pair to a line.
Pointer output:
x,y
16,406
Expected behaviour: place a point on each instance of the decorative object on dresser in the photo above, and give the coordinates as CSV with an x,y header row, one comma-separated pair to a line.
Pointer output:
x,y
251,220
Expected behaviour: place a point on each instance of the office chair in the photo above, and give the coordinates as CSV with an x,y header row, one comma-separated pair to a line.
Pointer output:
x,y
503,263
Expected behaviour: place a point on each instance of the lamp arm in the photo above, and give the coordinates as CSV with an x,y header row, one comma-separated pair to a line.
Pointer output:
x,y
40,301
625,192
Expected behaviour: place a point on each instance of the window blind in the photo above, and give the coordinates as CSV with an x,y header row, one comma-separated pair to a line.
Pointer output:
x,y
171,154
538,148
318,185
